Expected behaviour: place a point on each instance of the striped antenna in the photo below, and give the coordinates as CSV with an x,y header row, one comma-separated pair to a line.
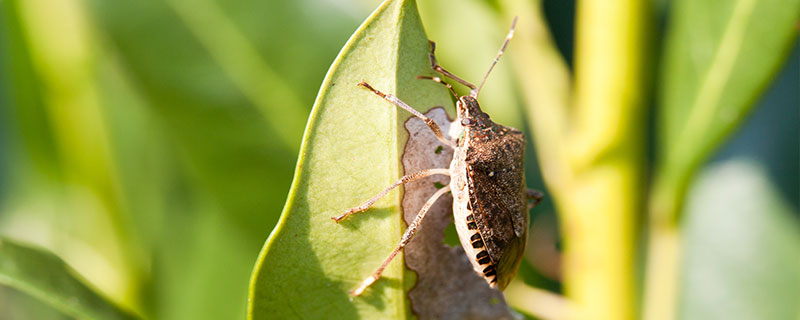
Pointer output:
x,y
497,58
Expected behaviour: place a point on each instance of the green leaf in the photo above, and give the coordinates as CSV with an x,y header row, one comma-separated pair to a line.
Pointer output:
x,y
221,135
720,55
46,277
350,152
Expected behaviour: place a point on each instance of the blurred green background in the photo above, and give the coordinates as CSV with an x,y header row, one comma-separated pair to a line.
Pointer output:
x,y
151,145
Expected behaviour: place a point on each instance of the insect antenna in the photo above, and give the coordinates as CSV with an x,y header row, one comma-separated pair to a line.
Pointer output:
x,y
510,35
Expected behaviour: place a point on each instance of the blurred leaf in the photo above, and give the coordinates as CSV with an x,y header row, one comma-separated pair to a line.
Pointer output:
x,y
219,134
46,277
742,220
22,101
239,59
19,305
743,261
720,55
349,153
90,214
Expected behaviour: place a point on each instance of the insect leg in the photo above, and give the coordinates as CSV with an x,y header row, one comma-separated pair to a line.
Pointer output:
x,y
410,232
446,73
428,121
406,179
439,80
534,197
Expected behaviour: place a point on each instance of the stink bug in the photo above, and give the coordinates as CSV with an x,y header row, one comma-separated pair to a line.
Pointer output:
x,y
490,200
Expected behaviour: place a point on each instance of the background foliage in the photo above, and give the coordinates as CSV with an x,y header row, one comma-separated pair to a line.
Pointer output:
x,y
151,144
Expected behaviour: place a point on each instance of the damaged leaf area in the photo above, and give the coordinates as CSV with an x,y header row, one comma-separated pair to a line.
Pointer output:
x,y
351,150
446,287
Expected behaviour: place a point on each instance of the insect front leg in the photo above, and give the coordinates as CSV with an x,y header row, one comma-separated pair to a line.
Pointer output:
x,y
534,197
428,121
407,236
436,67
405,179
439,80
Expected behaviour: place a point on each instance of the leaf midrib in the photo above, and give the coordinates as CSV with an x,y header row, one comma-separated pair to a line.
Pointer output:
x,y
705,104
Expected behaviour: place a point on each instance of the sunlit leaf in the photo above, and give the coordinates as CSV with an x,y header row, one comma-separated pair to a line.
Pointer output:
x,y
350,151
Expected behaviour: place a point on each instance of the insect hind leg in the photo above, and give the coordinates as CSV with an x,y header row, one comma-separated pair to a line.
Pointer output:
x,y
407,236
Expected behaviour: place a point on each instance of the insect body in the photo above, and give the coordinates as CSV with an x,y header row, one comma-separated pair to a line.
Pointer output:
x,y
489,194
490,200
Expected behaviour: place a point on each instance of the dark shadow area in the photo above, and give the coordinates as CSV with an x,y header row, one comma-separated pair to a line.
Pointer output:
x,y
560,17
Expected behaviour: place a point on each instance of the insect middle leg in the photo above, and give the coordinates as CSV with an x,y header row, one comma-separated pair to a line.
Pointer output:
x,y
428,121
407,236
405,179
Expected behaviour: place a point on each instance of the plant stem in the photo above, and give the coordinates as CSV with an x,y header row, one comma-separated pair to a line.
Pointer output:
x,y
592,158
606,158
663,256
663,247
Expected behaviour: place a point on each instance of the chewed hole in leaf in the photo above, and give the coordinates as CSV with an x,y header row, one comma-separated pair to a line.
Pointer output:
x,y
451,236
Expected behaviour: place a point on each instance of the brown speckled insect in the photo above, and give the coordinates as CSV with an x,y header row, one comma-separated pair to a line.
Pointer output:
x,y
490,200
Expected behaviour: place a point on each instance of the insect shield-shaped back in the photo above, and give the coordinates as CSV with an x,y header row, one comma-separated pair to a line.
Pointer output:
x,y
490,206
